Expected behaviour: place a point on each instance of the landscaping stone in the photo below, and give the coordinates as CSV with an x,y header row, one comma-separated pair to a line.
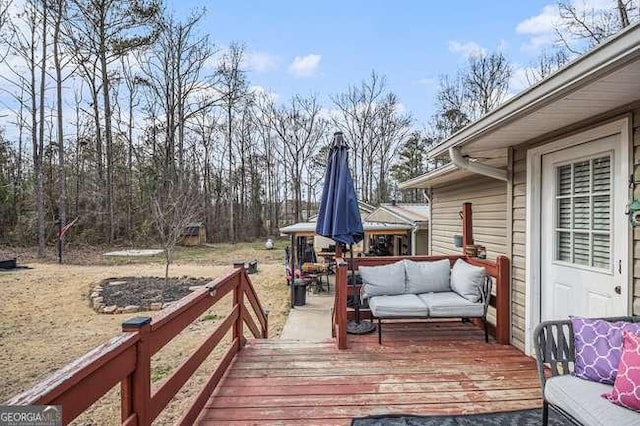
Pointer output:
x,y
109,309
156,306
113,283
119,310
129,309
195,287
97,301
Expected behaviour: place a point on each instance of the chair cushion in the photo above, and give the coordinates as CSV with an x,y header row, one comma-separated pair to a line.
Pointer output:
x,y
598,346
626,388
426,277
581,399
402,305
450,304
383,280
467,280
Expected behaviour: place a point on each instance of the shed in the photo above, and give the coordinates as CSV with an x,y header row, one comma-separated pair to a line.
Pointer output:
x,y
194,234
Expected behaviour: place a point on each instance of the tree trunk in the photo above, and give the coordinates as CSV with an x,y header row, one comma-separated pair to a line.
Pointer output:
x,y
62,188
40,144
107,134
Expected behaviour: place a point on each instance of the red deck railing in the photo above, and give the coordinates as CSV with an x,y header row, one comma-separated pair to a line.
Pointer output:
x,y
126,358
498,270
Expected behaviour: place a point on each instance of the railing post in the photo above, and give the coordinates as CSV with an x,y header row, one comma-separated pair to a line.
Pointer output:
x,y
467,226
136,389
503,302
341,305
238,300
265,330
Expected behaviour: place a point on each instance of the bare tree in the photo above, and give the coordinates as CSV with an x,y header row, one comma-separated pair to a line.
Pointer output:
x,y
300,129
233,89
102,31
487,81
583,26
453,106
357,116
546,64
172,209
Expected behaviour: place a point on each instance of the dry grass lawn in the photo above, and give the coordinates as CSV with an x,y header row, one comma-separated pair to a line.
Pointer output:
x,y
46,321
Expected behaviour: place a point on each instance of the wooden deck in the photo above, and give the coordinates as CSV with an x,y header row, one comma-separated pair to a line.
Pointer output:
x,y
434,368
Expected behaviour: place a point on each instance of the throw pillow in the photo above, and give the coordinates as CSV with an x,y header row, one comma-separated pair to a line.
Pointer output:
x,y
626,388
467,280
383,280
427,277
598,346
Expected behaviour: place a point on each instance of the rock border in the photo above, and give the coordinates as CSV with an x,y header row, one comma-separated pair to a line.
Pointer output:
x,y
96,301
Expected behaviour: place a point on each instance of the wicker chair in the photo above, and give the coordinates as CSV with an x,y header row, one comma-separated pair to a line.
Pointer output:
x,y
555,353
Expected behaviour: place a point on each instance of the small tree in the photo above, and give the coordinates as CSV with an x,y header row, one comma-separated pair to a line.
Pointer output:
x,y
172,211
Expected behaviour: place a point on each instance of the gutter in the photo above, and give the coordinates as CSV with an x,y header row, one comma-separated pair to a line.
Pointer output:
x,y
474,167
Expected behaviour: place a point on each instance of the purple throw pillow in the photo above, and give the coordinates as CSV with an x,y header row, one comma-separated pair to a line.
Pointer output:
x,y
598,345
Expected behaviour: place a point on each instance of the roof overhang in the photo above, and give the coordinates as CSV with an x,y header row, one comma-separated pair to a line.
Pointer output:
x,y
309,228
602,80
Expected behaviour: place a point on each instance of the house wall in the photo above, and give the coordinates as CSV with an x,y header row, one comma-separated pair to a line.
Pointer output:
x,y
489,210
518,261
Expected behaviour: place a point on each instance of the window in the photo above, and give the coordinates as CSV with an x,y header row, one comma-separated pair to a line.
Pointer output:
x,y
583,213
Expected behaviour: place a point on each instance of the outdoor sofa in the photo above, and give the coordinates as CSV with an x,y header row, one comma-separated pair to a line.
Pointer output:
x,y
430,289
577,399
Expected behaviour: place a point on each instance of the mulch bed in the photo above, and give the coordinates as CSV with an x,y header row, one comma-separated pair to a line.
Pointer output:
x,y
131,294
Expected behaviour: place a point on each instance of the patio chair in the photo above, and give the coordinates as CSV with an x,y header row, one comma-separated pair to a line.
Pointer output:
x,y
555,354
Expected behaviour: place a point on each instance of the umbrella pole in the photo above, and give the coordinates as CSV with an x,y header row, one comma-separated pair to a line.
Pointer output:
x,y
356,297
357,326
292,265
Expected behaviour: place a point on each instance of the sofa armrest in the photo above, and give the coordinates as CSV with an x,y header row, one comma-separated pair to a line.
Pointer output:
x,y
554,345
485,294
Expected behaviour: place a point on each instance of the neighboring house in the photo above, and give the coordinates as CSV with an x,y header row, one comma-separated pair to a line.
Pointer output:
x,y
548,175
414,215
365,210
194,234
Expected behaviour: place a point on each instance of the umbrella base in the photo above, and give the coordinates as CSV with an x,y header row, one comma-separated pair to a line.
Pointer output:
x,y
362,327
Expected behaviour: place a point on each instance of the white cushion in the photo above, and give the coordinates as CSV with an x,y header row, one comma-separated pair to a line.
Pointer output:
x,y
383,280
450,304
583,401
467,280
402,305
426,277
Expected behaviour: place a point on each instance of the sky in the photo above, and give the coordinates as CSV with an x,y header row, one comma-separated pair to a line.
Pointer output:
x,y
321,47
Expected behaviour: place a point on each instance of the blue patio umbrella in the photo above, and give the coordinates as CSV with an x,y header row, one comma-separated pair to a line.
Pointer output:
x,y
339,215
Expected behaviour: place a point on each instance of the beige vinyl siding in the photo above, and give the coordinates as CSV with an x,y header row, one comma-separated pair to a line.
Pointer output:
x,y
518,272
384,216
489,210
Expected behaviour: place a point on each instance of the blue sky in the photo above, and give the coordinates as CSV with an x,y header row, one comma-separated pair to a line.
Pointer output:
x,y
339,42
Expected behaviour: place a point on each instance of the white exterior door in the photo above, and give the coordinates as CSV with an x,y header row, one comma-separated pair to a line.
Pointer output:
x,y
584,231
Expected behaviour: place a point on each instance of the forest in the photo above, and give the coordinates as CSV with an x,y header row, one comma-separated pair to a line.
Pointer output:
x,y
133,121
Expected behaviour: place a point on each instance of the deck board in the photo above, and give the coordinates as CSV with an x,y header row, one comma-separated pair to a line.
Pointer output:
x,y
436,368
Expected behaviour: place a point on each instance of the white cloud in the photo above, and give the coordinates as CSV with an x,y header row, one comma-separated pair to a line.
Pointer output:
x,y
541,28
305,66
260,62
468,50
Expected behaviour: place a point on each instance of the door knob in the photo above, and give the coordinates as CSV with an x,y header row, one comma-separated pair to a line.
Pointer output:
x,y
618,289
